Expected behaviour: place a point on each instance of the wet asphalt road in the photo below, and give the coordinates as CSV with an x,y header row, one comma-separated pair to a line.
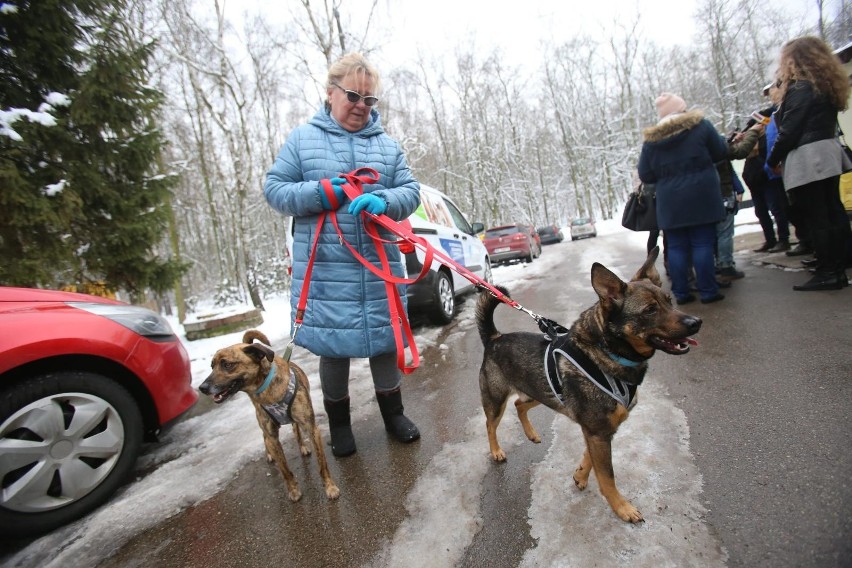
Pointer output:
x,y
767,397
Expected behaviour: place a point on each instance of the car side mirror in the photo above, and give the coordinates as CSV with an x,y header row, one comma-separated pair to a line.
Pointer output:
x,y
476,228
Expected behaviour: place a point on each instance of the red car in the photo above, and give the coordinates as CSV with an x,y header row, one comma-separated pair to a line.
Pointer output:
x,y
512,242
84,381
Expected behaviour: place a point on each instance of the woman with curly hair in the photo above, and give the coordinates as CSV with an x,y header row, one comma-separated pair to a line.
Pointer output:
x,y
813,87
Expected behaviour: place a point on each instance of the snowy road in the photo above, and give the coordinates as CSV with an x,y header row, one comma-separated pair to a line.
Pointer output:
x,y
204,496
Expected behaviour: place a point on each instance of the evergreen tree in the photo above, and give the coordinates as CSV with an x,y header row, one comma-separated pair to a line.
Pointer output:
x,y
81,199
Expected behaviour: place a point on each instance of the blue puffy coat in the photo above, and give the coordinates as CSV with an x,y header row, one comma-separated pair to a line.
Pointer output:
x,y
678,155
347,312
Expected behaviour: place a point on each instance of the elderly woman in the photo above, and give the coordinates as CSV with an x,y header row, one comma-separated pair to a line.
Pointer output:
x,y
347,312
813,87
679,155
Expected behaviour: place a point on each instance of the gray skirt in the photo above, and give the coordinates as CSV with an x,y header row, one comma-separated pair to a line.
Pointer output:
x,y
813,162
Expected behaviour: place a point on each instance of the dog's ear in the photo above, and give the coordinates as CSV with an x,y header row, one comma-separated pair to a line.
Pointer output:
x,y
258,352
609,287
649,269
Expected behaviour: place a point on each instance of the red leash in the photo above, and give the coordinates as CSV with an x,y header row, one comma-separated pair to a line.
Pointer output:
x,y
353,188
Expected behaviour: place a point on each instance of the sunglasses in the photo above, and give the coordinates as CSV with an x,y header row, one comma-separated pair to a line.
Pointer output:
x,y
353,97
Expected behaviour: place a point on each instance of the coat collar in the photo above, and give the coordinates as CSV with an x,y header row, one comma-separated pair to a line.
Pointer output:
x,y
673,126
324,120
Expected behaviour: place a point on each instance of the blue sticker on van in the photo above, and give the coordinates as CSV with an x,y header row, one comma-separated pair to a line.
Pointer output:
x,y
453,249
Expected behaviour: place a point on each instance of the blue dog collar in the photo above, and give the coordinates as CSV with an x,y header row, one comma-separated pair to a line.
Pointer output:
x,y
621,360
268,381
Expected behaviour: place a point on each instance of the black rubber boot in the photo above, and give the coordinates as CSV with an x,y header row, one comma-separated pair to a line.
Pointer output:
x,y
340,427
403,429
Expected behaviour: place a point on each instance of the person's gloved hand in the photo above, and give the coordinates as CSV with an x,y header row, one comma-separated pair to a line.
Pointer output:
x,y
369,202
338,192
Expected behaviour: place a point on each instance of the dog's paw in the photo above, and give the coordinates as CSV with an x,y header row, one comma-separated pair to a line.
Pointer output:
x,y
306,451
294,494
581,477
499,455
332,491
629,513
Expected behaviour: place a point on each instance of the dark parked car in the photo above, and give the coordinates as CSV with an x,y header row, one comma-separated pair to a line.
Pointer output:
x,y
84,380
512,242
550,234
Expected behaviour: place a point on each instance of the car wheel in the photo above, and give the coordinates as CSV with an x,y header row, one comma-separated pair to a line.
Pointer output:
x,y
68,440
529,257
444,301
486,274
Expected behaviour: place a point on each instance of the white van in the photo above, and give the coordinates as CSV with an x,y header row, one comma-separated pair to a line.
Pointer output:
x,y
445,227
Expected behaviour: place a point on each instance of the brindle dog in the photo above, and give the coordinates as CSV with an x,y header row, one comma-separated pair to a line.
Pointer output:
x,y
244,367
629,323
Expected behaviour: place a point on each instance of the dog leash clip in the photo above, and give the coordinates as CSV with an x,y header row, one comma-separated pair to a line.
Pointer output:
x,y
288,351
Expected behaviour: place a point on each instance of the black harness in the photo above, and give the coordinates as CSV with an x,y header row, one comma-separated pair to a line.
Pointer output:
x,y
560,345
280,411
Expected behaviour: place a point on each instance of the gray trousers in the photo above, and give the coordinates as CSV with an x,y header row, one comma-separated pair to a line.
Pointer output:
x,y
334,375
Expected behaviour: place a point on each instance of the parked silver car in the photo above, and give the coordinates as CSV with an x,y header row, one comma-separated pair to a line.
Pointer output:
x,y
582,228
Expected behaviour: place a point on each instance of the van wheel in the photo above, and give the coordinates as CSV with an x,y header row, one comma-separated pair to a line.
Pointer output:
x,y
486,274
444,303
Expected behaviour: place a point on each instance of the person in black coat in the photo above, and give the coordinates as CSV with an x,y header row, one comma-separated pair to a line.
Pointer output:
x,y
679,155
814,87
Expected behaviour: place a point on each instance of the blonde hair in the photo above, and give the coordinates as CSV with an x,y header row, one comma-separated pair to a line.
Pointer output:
x,y
353,64
809,58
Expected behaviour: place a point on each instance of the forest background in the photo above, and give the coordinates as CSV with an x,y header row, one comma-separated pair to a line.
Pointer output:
x,y
165,199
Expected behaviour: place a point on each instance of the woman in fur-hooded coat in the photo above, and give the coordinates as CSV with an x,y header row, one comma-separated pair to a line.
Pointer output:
x,y
678,156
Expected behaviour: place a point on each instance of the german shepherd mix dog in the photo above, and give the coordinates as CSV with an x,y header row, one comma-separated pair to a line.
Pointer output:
x,y
280,393
594,371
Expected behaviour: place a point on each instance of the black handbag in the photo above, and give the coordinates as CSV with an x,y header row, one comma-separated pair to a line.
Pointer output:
x,y
640,212
847,159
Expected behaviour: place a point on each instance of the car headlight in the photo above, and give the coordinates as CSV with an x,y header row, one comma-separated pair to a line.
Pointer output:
x,y
135,318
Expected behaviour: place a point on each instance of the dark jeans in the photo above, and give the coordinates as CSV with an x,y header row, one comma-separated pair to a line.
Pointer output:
x,y
820,206
699,242
772,198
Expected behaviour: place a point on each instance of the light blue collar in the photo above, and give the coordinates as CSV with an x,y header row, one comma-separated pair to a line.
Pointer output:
x,y
268,380
621,360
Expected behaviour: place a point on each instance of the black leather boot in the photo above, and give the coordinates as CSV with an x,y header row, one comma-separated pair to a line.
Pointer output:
x,y
403,429
824,281
340,427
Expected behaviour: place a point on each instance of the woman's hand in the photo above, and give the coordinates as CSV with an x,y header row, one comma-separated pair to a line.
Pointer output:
x,y
369,202
339,194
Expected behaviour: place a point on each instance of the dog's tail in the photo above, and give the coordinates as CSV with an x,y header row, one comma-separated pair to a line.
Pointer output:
x,y
485,307
253,334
